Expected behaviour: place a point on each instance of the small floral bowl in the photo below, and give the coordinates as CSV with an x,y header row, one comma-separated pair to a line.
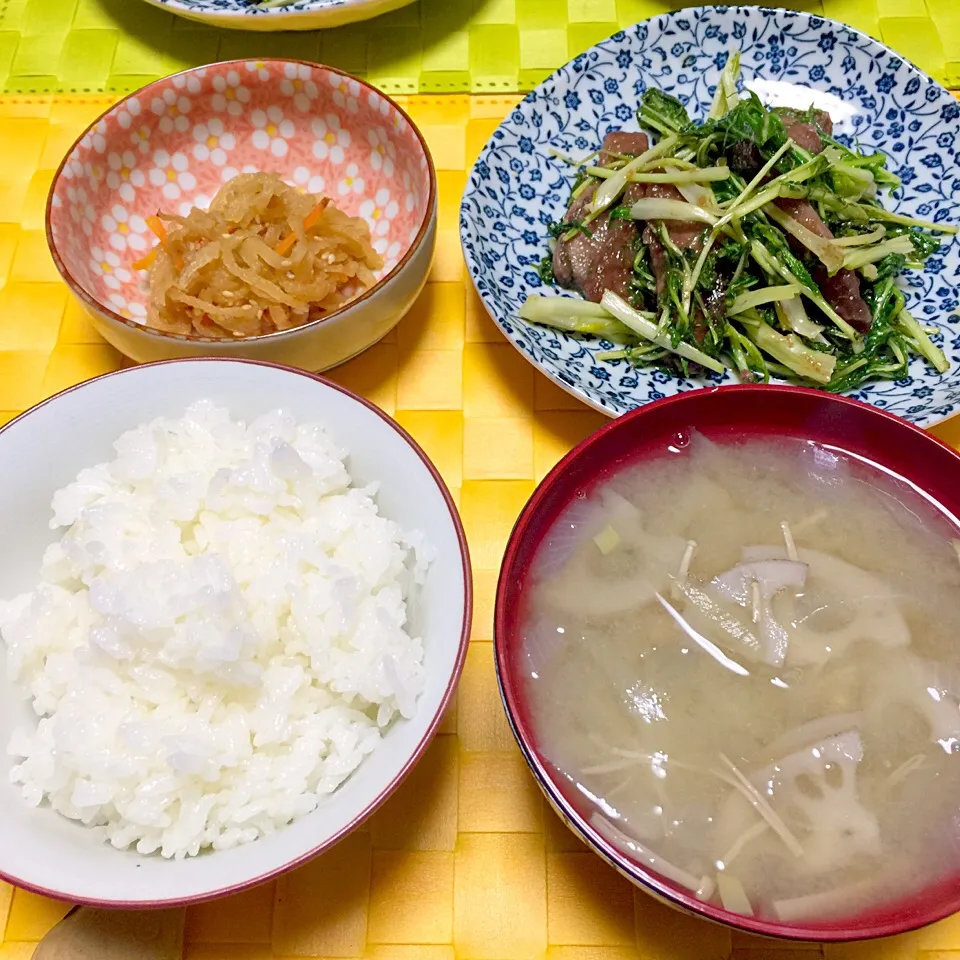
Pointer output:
x,y
173,144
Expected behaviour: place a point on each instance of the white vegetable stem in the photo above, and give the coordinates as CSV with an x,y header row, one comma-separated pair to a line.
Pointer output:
x,y
859,258
610,189
793,316
772,265
640,325
537,308
726,97
821,247
922,342
656,208
753,298
860,239
790,350
696,175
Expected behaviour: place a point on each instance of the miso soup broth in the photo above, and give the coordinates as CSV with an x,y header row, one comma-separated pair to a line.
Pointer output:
x,y
743,658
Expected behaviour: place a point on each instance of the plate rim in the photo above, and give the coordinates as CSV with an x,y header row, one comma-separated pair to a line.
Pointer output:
x,y
316,9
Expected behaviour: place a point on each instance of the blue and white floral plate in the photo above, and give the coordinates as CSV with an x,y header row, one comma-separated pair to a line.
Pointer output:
x,y
296,15
874,96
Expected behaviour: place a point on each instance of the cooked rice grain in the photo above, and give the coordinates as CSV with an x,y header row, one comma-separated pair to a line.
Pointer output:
x,y
218,638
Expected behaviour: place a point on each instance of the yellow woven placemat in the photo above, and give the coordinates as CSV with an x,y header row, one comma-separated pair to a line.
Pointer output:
x,y
465,861
432,46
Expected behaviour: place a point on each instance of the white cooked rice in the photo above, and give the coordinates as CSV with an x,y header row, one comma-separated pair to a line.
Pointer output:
x,y
218,638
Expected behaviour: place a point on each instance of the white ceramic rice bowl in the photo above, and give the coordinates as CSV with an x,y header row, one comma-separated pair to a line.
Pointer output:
x,y
45,449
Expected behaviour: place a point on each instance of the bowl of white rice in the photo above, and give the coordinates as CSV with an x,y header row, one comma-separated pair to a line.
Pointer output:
x,y
234,602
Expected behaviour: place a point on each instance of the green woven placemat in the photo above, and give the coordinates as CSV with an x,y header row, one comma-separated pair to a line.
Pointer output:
x,y
433,46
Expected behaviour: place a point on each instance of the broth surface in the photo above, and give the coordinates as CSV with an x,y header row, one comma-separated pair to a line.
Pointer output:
x,y
744,658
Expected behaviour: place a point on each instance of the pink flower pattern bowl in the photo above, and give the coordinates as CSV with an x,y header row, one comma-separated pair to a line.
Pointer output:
x,y
173,144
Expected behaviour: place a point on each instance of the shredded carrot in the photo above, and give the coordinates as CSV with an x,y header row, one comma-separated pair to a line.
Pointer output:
x,y
145,263
156,225
311,220
313,217
286,244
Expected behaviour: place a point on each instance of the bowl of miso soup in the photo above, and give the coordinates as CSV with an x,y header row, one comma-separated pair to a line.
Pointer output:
x,y
727,637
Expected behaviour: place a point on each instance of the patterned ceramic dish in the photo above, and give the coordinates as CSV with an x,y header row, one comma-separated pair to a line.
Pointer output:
x,y
173,144
787,58
296,15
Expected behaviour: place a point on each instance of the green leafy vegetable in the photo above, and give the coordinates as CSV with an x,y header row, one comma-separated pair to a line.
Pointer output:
x,y
662,113
726,276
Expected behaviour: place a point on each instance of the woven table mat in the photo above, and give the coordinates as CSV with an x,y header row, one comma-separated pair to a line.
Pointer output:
x,y
433,46
465,861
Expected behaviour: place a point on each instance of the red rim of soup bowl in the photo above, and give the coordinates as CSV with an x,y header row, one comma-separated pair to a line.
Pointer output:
x,y
723,413
98,306
429,733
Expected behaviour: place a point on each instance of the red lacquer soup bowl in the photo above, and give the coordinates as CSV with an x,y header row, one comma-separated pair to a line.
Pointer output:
x,y
724,414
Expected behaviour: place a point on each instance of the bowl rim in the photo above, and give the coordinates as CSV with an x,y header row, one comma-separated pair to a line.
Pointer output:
x,y
92,303
430,731
508,684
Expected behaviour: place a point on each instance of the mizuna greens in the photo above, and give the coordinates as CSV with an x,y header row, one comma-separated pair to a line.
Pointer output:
x,y
753,241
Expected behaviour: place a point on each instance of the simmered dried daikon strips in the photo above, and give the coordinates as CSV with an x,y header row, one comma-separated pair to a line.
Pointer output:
x,y
264,257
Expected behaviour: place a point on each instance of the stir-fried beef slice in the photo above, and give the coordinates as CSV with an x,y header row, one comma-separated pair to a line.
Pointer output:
x,y
603,261
562,254
821,119
745,158
658,258
715,298
622,143
700,325
804,133
803,212
842,290
658,263
685,234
